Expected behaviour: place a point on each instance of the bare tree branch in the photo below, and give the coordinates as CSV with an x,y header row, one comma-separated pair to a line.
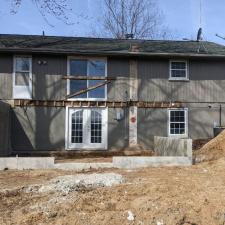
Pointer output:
x,y
57,8
141,18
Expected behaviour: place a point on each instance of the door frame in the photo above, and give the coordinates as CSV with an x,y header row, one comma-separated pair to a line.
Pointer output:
x,y
14,86
67,132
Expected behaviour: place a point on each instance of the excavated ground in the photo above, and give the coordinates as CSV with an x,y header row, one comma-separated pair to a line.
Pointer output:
x,y
154,196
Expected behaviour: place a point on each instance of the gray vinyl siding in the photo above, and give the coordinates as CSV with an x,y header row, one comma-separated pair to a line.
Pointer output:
x,y
6,69
47,79
5,123
118,90
206,82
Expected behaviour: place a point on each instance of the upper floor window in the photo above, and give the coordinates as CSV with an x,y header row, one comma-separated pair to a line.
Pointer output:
x,y
178,70
87,68
177,122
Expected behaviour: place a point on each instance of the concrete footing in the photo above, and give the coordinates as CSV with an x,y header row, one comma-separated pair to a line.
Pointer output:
x,y
124,162
23,163
139,162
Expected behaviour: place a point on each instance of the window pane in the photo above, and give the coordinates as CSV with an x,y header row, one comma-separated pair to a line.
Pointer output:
x,y
98,92
178,73
78,85
96,68
177,122
22,65
178,65
78,67
22,79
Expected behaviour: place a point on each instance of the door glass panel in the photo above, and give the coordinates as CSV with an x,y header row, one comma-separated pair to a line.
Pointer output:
x,y
77,127
22,64
22,79
96,127
78,68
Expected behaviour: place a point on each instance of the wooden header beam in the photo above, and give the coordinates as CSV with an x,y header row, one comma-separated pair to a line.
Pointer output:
x,y
110,104
88,78
93,78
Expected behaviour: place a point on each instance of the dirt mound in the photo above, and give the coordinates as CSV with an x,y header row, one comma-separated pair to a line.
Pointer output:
x,y
214,149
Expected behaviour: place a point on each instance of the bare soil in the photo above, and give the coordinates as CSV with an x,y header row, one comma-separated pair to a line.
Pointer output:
x,y
155,196
212,150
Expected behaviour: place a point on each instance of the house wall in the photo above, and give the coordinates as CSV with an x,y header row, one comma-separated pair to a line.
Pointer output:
x,y
34,128
43,129
206,84
5,122
38,128
47,79
201,120
6,68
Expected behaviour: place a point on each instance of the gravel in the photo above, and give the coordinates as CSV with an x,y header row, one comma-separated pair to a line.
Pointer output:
x,y
70,183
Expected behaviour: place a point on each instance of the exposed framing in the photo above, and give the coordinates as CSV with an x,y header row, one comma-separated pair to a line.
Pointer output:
x,y
110,104
68,75
186,71
186,123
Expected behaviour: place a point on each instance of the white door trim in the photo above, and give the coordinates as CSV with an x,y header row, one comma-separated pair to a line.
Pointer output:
x,y
85,146
22,92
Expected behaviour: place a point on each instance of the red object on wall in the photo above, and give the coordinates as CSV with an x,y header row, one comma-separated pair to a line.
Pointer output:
x,y
133,119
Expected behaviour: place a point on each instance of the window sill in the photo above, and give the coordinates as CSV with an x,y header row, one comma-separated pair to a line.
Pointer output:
x,y
179,79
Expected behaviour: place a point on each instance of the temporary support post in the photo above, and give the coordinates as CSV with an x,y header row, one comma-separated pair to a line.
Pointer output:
x,y
133,109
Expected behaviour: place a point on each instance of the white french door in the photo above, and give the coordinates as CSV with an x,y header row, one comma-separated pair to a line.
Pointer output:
x,y
87,128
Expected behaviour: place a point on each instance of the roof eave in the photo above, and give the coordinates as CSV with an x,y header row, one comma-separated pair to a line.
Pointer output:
x,y
106,53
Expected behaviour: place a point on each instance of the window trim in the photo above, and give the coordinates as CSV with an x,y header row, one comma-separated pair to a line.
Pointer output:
x,y
14,76
68,80
185,135
186,78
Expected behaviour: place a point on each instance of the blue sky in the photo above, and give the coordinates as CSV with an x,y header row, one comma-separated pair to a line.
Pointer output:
x,y
180,16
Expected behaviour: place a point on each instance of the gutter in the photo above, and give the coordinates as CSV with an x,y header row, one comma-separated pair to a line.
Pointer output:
x,y
107,53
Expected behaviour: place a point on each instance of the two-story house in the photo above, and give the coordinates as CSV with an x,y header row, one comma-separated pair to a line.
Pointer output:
x,y
68,93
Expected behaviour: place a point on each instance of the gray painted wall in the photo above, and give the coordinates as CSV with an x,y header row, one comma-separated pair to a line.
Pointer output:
x,y
206,84
47,79
5,121
38,128
6,68
117,130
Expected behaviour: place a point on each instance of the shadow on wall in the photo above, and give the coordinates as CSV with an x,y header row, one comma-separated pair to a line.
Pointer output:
x,y
5,116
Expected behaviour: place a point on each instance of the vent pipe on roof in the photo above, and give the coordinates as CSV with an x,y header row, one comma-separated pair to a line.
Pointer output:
x,y
129,36
199,34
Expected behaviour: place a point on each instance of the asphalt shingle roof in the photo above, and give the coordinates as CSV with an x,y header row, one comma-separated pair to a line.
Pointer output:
x,y
57,44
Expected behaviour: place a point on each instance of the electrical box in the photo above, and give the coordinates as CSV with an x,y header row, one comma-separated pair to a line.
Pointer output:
x,y
119,114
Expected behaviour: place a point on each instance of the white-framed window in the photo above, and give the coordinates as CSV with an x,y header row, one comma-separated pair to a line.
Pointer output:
x,y
179,70
22,77
87,67
178,122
